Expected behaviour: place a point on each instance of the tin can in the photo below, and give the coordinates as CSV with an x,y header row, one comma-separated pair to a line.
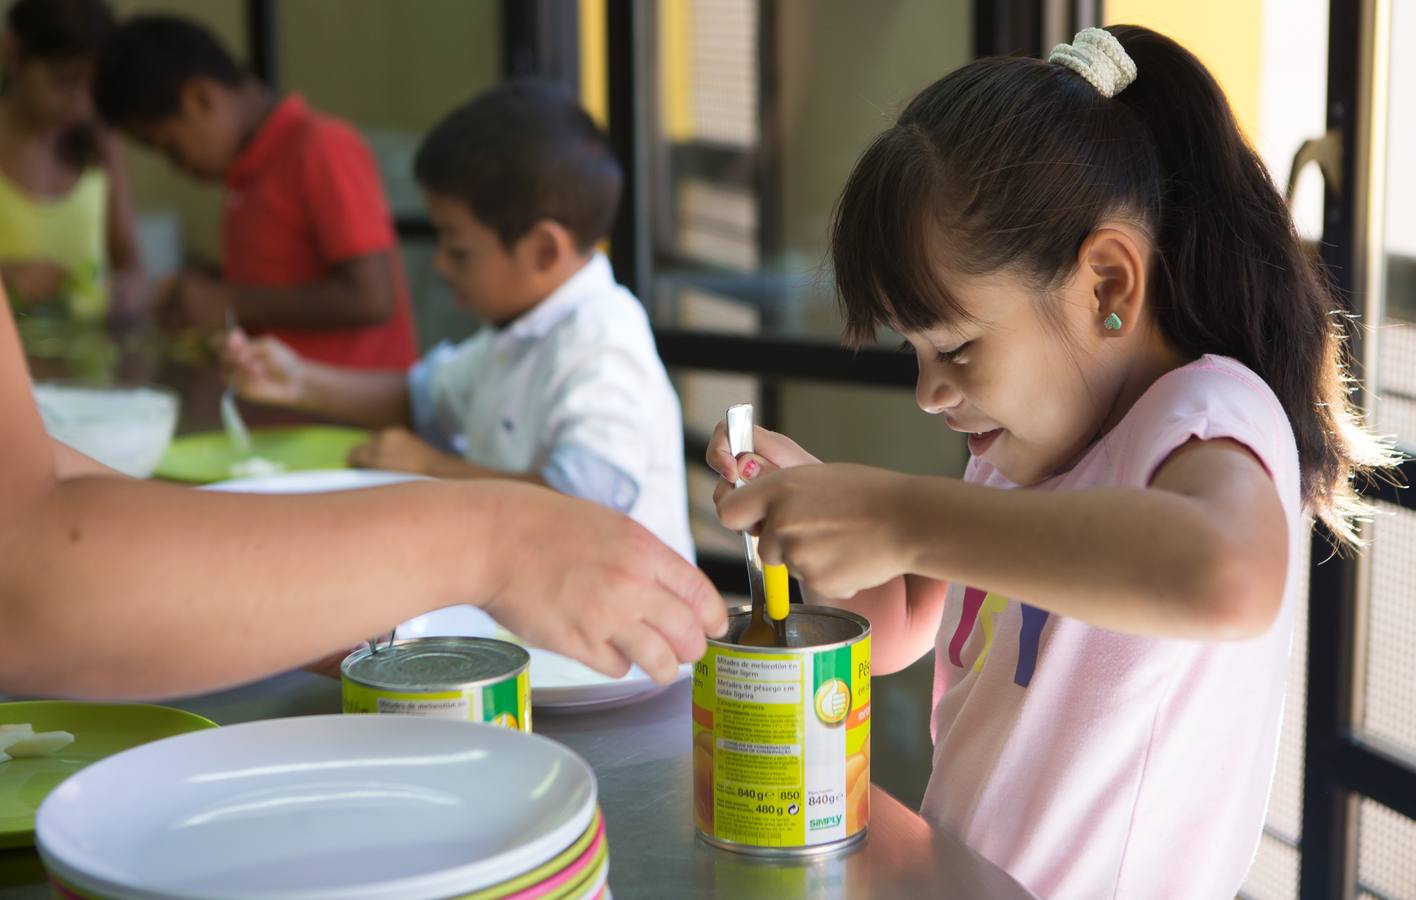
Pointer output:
x,y
470,678
781,737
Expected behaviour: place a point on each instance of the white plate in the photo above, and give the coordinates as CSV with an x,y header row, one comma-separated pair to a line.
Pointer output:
x,y
556,681
307,808
316,481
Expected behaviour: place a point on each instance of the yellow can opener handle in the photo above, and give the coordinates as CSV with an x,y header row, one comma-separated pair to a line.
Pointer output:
x,y
778,591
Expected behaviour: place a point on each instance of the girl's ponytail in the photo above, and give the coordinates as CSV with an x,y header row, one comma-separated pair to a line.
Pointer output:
x,y
1010,164
1232,276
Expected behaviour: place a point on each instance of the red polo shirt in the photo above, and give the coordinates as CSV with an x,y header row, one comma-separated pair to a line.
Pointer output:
x,y
303,196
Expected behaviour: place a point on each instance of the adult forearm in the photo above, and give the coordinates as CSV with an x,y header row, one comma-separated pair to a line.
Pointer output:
x,y
262,583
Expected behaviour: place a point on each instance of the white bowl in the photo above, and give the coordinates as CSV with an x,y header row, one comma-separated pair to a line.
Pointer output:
x,y
125,428
366,807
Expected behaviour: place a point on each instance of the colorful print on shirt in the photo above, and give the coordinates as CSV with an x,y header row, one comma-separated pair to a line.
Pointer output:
x,y
983,608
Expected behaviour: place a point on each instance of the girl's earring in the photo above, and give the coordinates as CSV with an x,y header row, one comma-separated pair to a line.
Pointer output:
x,y
1112,323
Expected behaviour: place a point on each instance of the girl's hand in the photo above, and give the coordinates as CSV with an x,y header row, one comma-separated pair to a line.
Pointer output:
x,y
264,369
839,528
778,449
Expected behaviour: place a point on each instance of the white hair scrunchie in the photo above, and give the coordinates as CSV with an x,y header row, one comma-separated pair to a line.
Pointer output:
x,y
1097,56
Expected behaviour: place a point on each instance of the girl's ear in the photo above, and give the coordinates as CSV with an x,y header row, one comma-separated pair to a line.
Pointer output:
x,y
1113,262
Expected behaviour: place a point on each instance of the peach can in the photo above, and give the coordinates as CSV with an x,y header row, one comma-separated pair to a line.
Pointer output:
x,y
781,737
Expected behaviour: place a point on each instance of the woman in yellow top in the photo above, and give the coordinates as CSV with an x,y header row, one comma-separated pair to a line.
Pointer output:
x,y
66,223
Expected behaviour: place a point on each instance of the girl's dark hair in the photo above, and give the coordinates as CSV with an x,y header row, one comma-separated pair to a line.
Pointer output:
x,y
63,30
1010,164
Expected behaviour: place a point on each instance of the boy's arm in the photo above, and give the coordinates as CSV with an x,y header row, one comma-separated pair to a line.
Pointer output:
x,y
356,292
400,450
267,371
371,398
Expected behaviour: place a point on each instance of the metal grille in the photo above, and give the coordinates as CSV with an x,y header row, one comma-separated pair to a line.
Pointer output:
x,y
1274,875
1394,412
1388,679
1386,853
724,42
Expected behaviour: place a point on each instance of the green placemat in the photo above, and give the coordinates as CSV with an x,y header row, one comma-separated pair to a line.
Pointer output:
x,y
99,730
206,457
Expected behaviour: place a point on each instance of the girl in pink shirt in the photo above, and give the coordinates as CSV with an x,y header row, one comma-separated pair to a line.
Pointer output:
x,y
1105,291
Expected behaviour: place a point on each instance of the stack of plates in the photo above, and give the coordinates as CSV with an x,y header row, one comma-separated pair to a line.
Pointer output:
x,y
369,807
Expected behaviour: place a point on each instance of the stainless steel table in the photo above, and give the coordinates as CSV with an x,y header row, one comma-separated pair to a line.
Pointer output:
x,y
641,754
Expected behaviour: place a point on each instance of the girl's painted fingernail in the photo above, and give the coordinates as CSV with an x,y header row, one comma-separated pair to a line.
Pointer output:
x,y
749,469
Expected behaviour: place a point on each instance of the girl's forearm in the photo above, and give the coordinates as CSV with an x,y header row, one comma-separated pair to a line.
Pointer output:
x,y
904,618
345,555
1148,562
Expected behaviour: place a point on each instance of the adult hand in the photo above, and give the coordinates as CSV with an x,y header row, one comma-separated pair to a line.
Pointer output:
x,y
594,585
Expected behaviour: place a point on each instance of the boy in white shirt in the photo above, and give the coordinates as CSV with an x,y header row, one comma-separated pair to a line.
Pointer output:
x,y
564,386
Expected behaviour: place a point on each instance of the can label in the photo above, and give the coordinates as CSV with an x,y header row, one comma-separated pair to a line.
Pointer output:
x,y
781,745
506,703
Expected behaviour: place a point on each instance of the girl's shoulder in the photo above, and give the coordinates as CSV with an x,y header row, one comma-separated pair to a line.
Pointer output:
x,y
1214,397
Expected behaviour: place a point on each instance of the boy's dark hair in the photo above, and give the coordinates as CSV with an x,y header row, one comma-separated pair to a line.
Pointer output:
x,y
148,61
521,152
1010,164
61,29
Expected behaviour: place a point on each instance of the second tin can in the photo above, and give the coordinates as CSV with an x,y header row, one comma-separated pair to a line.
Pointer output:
x,y
469,678
781,737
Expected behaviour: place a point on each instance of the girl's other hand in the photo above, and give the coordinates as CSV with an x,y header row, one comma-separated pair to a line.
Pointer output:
x,y
777,450
264,369
839,528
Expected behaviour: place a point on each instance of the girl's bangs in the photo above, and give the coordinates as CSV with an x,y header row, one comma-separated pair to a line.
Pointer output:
x,y
887,239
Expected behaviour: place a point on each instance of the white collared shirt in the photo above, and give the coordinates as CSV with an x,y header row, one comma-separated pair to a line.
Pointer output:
x,y
573,389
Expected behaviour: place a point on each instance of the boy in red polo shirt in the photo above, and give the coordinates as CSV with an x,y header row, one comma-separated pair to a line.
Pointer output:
x,y
309,252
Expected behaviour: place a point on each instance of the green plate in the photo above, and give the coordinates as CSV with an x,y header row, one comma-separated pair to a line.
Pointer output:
x,y
99,730
207,457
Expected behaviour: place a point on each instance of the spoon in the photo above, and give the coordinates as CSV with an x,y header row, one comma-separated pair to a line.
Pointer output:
x,y
759,633
231,422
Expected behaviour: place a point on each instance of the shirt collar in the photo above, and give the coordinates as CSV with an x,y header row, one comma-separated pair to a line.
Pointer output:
x,y
595,277
287,115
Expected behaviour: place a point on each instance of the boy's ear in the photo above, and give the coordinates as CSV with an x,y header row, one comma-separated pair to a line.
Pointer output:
x,y
550,245
197,97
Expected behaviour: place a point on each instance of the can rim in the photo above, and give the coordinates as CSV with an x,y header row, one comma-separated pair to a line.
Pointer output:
x,y
824,611
523,665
